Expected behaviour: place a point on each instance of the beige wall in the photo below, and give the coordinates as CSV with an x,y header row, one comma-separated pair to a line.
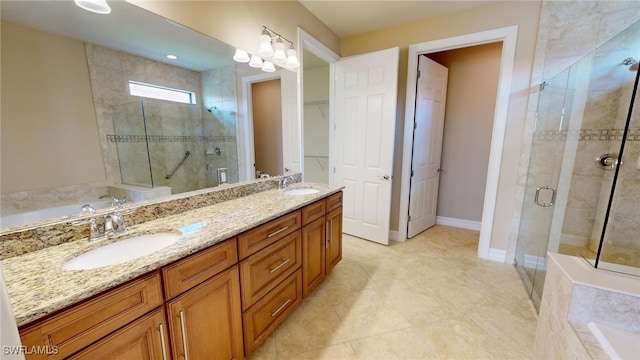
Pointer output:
x,y
48,119
239,23
525,14
469,112
267,126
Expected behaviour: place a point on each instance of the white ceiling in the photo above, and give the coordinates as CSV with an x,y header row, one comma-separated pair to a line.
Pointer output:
x,y
128,28
351,17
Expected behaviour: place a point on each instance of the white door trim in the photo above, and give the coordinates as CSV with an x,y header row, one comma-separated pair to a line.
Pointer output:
x,y
508,37
308,42
246,151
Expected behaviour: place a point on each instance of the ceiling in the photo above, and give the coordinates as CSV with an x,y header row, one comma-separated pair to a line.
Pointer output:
x,y
351,17
128,28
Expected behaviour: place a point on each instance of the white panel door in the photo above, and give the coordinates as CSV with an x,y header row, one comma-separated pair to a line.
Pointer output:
x,y
290,122
431,93
365,111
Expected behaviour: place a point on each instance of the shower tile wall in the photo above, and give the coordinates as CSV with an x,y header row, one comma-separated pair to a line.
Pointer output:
x,y
568,30
219,95
172,130
110,72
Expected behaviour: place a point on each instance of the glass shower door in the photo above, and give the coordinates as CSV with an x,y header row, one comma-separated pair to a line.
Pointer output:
x,y
542,183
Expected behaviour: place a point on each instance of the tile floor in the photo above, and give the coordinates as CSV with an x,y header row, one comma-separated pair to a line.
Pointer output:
x,y
430,297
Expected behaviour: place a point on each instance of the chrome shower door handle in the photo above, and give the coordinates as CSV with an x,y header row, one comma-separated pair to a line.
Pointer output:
x,y
553,196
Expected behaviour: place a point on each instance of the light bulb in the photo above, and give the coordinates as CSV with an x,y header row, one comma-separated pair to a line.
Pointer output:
x,y
268,67
241,56
255,62
279,56
292,59
265,46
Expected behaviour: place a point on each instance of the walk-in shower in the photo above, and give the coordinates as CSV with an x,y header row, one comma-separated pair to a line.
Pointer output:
x,y
583,187
174,145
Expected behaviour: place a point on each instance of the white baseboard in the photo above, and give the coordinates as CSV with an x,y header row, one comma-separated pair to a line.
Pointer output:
x,y
498,255
459,223
395,235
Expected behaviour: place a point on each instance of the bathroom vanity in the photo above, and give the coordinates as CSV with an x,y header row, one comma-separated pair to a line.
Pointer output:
x,y
240,267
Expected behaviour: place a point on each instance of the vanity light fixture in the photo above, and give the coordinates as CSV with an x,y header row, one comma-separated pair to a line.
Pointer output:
x,y
94,6
292,59
281,55
265,48
255,62
241,56
278,55
267,66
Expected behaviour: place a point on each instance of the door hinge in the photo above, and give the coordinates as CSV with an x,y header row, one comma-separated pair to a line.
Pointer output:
x,y
415,125
334,170
418,74
409,218
411,172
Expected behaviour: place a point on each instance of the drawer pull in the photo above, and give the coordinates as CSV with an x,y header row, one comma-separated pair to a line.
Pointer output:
x,y
280,308
277,232
271,271
164,346
184,335
326,239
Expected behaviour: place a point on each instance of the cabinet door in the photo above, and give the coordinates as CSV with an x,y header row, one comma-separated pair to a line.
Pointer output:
x,y
313,255
334,239
144,339
206,321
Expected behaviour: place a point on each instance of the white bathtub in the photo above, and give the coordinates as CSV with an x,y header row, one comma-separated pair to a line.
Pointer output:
x,y
48,213
617,343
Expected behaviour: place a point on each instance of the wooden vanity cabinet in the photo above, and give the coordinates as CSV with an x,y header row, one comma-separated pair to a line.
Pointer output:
x,y
203,304
270,276
333,253
321,240
219,303
143,339
71,330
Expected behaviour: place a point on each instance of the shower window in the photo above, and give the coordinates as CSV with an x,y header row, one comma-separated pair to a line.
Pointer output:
x,y
161,93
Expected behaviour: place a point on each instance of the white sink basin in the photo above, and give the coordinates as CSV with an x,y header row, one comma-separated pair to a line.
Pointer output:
x,y
121,251
304,191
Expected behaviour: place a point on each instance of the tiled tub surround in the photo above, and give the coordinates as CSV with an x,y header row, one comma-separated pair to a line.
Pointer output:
x,y
21,240
574,295
39,286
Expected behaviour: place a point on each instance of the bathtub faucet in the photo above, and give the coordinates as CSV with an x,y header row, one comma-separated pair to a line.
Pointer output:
x,y
117,202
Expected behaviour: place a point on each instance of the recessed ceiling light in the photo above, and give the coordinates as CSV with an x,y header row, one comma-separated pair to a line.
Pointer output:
x,y
95,6
172,57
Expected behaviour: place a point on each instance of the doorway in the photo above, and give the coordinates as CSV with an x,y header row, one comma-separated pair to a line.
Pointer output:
x,y
457,140
266,113
507,36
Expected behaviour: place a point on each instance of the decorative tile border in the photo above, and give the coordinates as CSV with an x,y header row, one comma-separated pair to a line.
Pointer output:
x,y
588,135
164,138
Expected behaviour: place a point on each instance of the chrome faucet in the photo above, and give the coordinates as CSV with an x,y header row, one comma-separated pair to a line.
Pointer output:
x,y
117,202
113,224
283,182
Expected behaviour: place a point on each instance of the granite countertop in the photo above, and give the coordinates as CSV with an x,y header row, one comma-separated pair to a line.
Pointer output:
x,y
38,285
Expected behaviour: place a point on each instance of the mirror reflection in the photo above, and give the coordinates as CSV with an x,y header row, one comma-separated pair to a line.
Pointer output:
x,y
92,106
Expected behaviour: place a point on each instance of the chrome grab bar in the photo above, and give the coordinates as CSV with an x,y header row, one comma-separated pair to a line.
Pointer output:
x,y
553,196
186,155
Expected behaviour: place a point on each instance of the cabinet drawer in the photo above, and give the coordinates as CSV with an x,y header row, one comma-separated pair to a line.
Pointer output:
x,y
264,235
261,319
334,201
262,271
313,211
191,271
72,329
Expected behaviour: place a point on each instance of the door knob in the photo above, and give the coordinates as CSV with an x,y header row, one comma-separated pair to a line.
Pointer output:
x,y
385,177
